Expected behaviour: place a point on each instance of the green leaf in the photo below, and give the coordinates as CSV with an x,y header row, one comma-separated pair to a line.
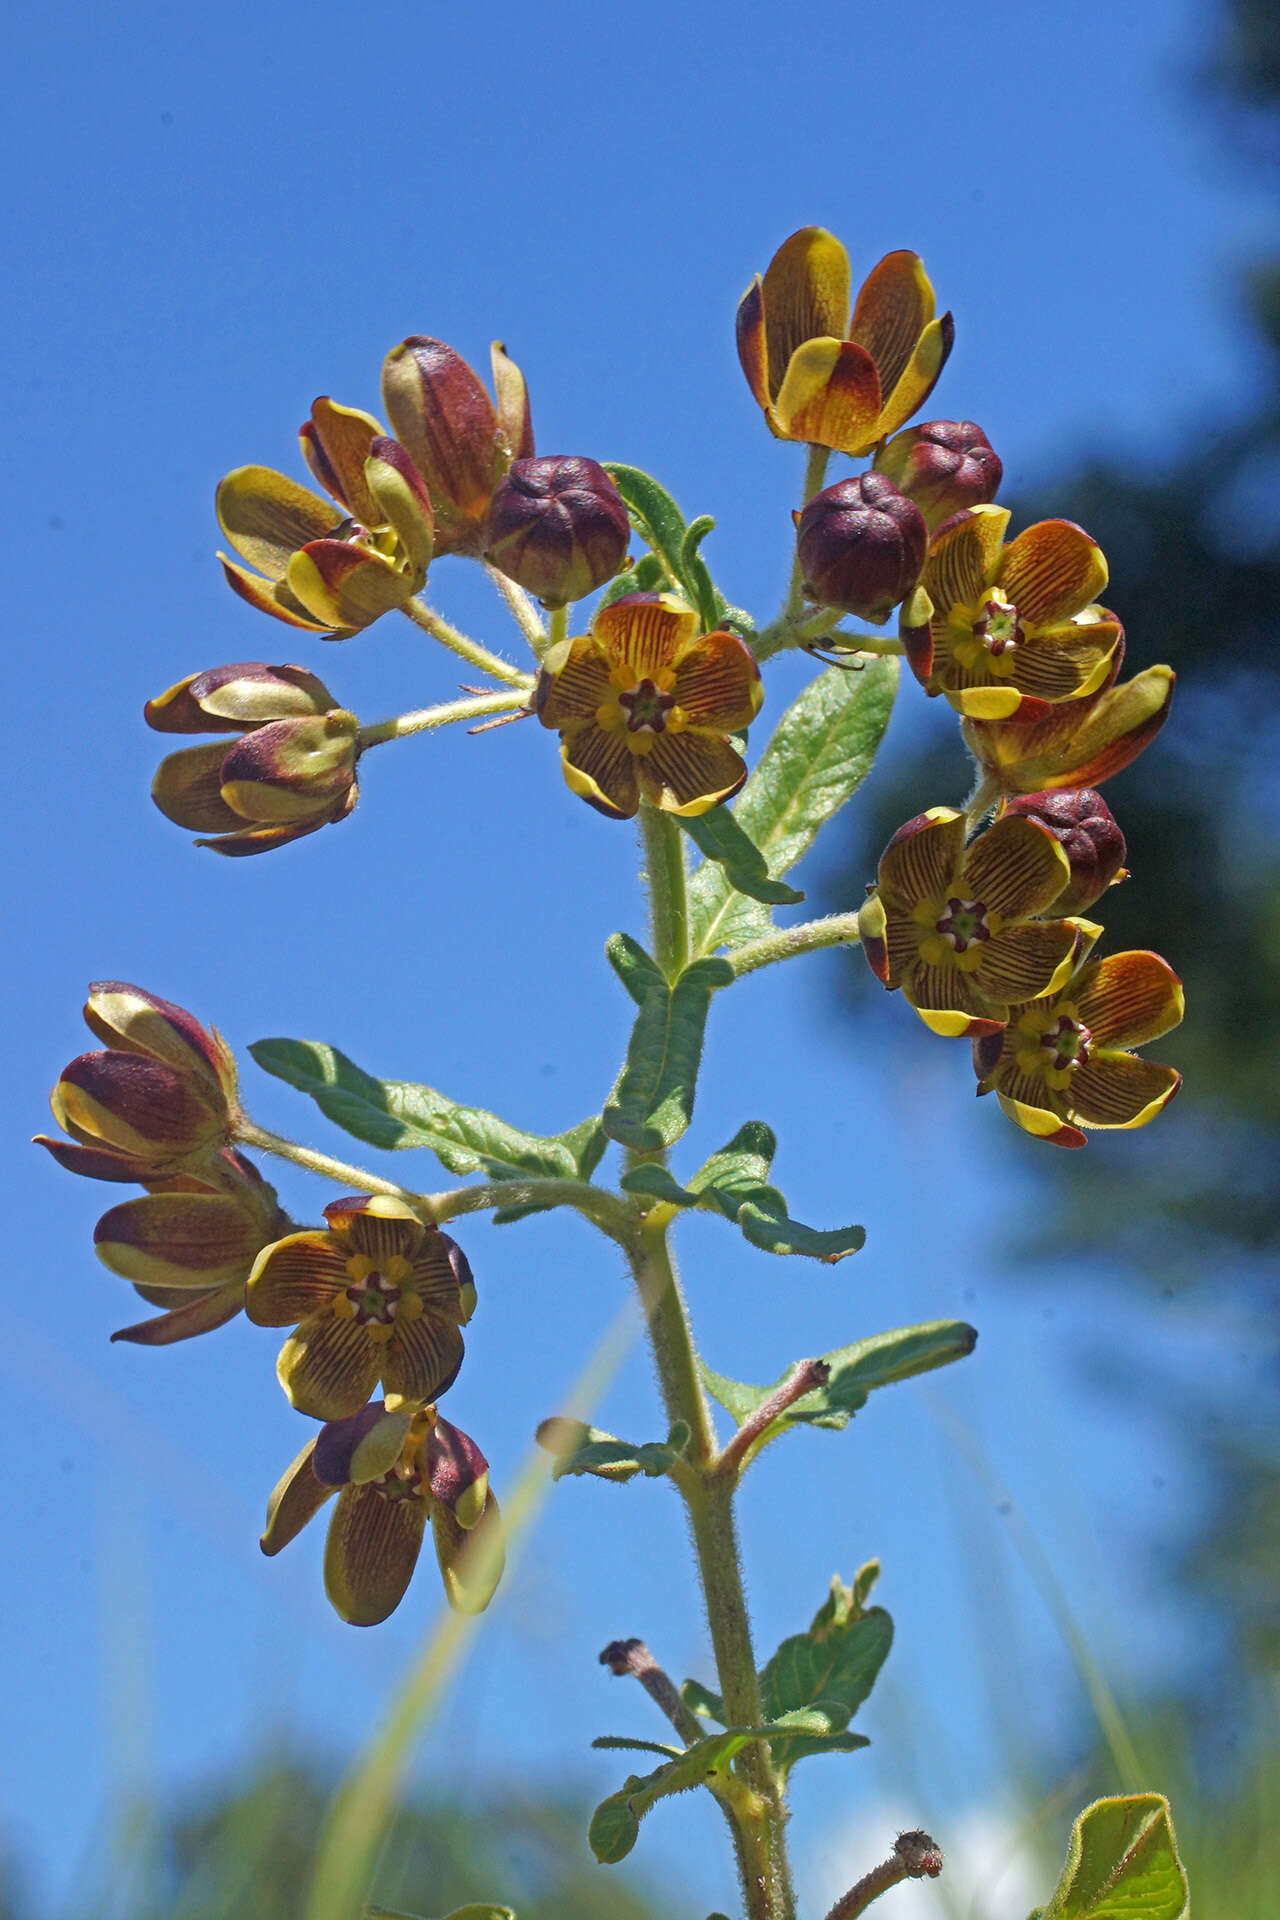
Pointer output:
x,y
856,1371
398,1114
647,576
695,574
637,1746
652,1103
833,1667
700,1700
821,750
765,1222
579,1448
615,1823
719,837
474,1912
653,1182
738,1170
1122,1864
587,1143
733,1182
653,513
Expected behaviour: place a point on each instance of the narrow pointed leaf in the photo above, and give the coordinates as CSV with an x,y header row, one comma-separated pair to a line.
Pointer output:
x,y
653,513
652,1103
821,750
696,575
766,1224
1122,1864
579,1448
620,1741
652,1182
719,837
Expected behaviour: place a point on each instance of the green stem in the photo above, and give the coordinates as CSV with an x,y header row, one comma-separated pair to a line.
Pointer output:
x,y
668,897
341,1172
469,650
836,930
558,628
423,719
523,611
815,473
980,802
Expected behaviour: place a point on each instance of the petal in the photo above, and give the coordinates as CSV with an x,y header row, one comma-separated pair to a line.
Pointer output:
x,y
752,349
243,694
1016,867
291,770
645,631
1027,962
1052,570
1129,998
187,788
805,295
179,1240
963,555
894,306
371,1551
129,1017
471,1562
983,698
268,598
873,931
377,1225
402,500
458,1473
436,1279
296,1497
915,630
573,682
422,1357
364,1447
689,772
948,1001
1079,748
249,840
601,768
830,396
921,375
1066,664
139,1105
717,683
201,1313
347,586
297,1277
1041,1123
923,856
329,1367
266,517
95,1163
1119,1090
335,445
442,416
512,396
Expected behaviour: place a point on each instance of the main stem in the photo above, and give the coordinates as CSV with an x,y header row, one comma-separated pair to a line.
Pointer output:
x,y
757,1813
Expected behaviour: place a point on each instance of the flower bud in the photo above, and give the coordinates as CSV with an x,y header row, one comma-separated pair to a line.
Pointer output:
x,y
457,1473
233,698
944,466
862,544
150,1114
558,527
1087,831
460,443
277,782
134,1021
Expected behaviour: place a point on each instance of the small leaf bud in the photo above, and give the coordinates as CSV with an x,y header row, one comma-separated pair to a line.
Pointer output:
x,y
861,544
558,527
1088,833
944,466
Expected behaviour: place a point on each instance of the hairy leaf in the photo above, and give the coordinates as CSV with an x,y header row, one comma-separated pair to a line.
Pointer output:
x,y
718,836
833,1667
579,1448
765,1222
653,513
821,750
1122,1864
652,1103
700,1700
647,576
637,1746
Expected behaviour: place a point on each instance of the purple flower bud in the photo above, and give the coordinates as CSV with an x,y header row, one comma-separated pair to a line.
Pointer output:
x,y
862,544
558,526
944,466
1086,829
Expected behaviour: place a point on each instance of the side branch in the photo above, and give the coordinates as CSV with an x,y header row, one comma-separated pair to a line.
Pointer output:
x,y
915,1857
470,650
836,930
632,1656
803,1378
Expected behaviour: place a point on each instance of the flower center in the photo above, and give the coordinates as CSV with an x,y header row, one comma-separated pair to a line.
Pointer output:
x,y
1065,1044
374,1299
998,626
645,707
963,924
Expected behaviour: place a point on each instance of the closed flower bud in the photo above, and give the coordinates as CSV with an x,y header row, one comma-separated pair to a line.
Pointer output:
x,y
234,698
862,544
136,1021
943,466
1087,831
558,527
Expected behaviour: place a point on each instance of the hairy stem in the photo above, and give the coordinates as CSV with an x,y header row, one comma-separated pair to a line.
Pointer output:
x,y
668,900
915,1857
980,802
815,472
470,650
523,611
424,719
341,1172
836,930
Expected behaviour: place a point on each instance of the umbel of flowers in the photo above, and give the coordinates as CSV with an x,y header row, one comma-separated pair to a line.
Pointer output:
x,y
654,693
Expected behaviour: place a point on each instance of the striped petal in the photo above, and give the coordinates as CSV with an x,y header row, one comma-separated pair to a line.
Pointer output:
x,y
179,1240
1052,570
1027,962
377,1225
267,517
920,376
470,1561
1068,664
601,769
1119,1090
963,555
297,1277
717,683
329,1367
371,1551
948,1001
894,306
422,1357
690,772
645,631
1041,1123
805,295
572,684
980,697
830,396
921,860
296,1498
1129,998
1016,867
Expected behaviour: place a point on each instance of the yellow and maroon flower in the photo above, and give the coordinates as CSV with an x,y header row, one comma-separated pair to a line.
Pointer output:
x,y
457,438
292,771
157,1101
954,927
1063,1062
1009,629
330,574
823,377
378,1295
395,1468
558,527
1078,743
643,704
189,1244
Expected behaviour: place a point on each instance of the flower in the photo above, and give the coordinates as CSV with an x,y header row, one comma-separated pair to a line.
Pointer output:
x,y
861,545
188,1246
158,1101
558,527
331,577
1063,1061
944,466
395,1469
1078,743
812,381
642,705
1089,834
953,927
1004,630
292,771
378,1295
458,440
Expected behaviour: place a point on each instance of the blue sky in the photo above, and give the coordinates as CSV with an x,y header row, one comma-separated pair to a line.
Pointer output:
x,y
229,211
